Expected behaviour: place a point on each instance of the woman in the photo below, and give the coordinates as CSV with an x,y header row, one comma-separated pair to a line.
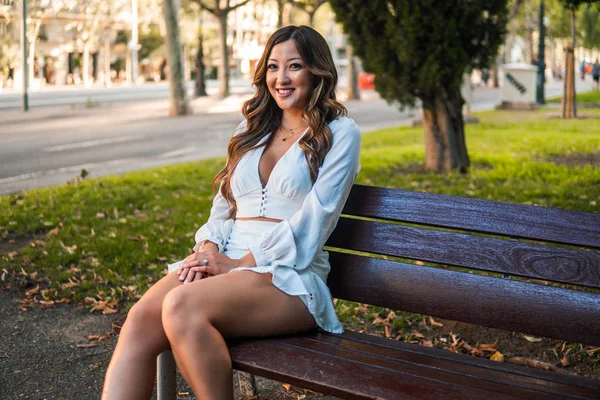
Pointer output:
x,y
258,267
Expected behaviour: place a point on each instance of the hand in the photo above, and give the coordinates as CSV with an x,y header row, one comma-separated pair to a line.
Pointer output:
x,y
205,263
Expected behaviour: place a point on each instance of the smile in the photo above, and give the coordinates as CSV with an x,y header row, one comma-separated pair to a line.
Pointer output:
x,y
284,92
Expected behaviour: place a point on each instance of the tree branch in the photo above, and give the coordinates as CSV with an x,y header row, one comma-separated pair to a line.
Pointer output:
x,y
214,11
231,8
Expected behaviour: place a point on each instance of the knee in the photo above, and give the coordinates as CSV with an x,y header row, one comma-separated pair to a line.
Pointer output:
x,y
141,319
181,318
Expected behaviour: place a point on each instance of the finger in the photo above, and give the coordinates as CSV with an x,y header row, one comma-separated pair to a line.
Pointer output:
x,y
198,276
209,269
184,272
190,277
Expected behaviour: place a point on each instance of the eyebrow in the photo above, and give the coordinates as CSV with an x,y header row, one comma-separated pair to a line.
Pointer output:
x,y
289,59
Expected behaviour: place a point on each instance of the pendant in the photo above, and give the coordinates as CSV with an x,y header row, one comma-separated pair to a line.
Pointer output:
x,y
284,139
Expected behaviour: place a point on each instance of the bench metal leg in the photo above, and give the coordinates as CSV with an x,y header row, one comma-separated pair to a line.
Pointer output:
x,y
166,383
247,384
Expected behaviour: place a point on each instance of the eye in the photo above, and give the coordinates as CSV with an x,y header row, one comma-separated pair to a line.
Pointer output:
x,y
271,66
296,66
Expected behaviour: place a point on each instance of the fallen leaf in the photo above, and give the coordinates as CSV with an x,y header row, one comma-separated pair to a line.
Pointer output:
x,y
497,356
387,332
565,361
46,304
427,343
85,345
286,386
434,323
33,291
100,215
592,351
531,339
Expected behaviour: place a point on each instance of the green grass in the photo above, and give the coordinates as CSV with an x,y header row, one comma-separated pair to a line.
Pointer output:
x,y
592,97
110,238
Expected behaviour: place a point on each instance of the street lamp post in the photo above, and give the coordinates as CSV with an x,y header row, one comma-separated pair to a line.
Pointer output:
x,y
25,67
541,78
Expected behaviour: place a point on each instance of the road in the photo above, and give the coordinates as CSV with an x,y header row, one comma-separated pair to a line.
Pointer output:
x,y
51,145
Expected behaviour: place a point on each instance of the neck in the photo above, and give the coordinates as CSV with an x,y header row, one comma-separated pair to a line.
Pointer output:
x,y
293,120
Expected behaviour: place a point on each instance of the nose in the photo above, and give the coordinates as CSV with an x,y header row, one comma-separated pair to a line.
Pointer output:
x,y
282,75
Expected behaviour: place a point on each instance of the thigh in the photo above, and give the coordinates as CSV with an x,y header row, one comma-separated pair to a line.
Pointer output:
x,y
147,312
246,304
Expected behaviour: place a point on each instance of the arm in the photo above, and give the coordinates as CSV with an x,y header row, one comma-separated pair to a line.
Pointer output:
x,y
296,241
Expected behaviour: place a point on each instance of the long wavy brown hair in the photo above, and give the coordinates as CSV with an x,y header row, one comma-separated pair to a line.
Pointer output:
x,y
263,115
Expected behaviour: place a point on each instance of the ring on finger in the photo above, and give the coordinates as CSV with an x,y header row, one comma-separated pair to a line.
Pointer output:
x,y
205,261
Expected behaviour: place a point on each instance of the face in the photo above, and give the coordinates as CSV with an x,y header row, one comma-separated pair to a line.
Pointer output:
x,y
288,79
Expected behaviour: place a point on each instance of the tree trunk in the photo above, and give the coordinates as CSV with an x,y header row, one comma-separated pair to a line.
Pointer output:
x,y
107,80
280,7
178,104
352,89
311,18
200,89
224,67
574,37
86,64
445,147
495,73
568,104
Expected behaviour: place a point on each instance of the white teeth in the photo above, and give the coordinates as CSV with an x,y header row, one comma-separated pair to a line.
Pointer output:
x,y
285,91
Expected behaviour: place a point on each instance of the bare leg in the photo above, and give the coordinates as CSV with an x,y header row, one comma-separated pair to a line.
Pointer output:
x,y
197,317
132,369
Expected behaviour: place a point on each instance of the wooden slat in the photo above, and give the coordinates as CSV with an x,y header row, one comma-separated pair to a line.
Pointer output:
x,y
359,366
515,220
484,376
513,257
570,381
500,303
339,376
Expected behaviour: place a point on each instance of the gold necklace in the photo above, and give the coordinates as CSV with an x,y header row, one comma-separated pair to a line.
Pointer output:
x,y
291,132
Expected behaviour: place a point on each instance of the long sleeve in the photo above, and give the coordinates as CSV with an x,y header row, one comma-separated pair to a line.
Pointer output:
x,y
295,242
216,229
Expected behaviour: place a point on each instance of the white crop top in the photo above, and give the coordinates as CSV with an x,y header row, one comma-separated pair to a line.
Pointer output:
x,y
284,192
309,212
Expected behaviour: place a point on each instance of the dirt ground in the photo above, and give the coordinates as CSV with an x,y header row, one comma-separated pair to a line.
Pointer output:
x,y
46,354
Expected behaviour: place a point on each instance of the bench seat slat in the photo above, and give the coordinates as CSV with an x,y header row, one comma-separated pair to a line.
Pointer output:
x,y
554,312
563,379
494,217
551,263
508,381
338,376
334,358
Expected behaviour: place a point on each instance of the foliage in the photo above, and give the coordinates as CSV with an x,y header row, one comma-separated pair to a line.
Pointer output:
x,y
416,47
150,41
590,23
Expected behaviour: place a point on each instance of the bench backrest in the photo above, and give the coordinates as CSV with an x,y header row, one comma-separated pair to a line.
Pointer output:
x,y
510,266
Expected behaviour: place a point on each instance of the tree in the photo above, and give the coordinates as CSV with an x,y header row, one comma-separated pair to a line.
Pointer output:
x,y
37,12
92,15
220,9
590,22
569,103
178,104
310,7
419,50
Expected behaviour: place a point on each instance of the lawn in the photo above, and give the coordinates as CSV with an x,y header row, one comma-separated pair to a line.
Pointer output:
x,y
103,242
586,99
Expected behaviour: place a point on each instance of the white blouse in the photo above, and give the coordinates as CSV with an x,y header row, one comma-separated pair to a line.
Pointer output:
x,y
309,212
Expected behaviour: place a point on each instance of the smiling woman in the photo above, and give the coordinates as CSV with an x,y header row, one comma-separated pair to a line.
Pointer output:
x,y
258,267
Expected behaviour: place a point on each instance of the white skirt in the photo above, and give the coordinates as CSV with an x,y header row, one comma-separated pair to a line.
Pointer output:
x,y
309,286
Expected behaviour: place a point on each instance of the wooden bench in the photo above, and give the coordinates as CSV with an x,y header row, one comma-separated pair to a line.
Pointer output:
x,y
517,246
